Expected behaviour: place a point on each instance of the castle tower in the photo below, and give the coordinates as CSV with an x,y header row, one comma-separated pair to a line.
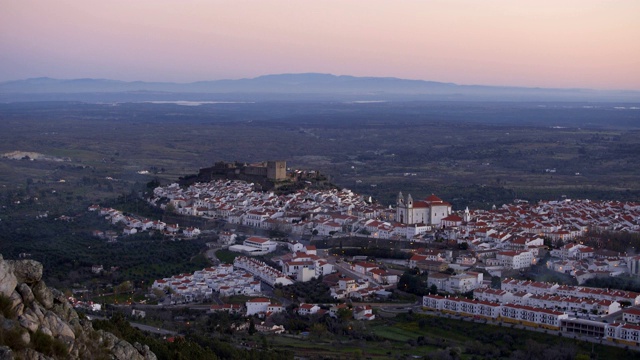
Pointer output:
x,y
276,170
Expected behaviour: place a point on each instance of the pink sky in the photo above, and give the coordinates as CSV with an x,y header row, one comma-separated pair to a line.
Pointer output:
x,y
544,43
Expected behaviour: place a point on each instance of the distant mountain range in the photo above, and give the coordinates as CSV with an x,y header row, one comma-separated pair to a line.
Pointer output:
x,y
307,86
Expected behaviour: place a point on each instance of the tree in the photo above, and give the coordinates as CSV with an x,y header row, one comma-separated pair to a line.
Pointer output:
x,y
158,293
252,327
123,287
318,330
153,184
170,208
344,314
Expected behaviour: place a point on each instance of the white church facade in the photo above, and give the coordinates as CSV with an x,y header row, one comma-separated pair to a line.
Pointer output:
x,y
429,211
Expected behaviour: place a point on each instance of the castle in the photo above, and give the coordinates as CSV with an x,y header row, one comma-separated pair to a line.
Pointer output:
x,y
272,170
262,172
429,211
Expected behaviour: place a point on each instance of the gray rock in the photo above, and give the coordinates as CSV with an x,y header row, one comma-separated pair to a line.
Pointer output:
x,y
43,294
38,311
5,351
58,327
26,338
34,355
8,280
27,271
59,297
16,303
39,308
145,351
7,324
26,293
65,311
120,349
28,322
45,330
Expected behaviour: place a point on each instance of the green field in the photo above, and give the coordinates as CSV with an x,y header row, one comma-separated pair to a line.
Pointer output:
x,y
226,256
408,336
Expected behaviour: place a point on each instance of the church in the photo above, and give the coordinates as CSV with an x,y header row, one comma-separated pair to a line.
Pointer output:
x,y
429,211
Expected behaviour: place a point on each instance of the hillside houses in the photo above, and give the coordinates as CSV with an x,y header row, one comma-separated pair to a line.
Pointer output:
x,y
456,284
528,315
262,271
503,237
533,316
237,202
540,288
304,265
519,227
263,306
347,288
507,238
133,225
224,279
321,212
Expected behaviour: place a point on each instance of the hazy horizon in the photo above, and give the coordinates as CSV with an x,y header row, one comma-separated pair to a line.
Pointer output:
x,y
305,73
588,44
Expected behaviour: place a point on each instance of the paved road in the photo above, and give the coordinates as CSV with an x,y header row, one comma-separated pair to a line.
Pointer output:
x,y
211,255
152,329
344,268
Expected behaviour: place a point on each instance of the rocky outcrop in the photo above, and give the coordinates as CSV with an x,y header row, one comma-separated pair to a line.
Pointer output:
x,y
27,271
31,310
8,280
124,350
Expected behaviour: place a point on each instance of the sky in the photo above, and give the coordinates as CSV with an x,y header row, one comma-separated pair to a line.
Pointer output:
x,y
543,43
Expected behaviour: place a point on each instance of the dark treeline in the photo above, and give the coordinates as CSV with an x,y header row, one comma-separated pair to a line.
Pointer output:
x,y
195,347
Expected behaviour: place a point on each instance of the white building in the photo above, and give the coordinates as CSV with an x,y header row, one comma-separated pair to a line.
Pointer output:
x,y
227,238
255,246
515,259
262,271
429,211
513,313
308,309
364,312
262,244
626,333
257,305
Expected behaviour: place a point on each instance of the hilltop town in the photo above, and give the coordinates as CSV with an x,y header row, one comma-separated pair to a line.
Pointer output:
x,y
460,252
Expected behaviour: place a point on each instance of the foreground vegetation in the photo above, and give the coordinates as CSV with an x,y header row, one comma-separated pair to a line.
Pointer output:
x,y
390,336
196,347
68,251
410,335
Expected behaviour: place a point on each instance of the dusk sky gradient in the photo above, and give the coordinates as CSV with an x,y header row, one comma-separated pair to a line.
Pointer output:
x,y
543,43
